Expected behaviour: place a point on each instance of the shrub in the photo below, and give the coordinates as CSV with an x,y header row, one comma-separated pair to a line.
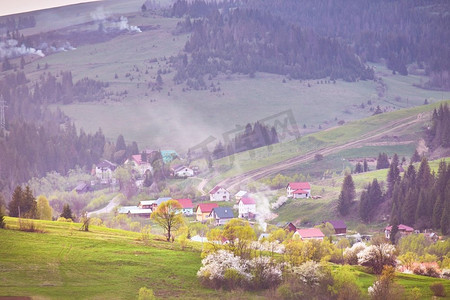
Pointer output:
x,y
345,286
266,273
438,289
212,273
62,219
427,269
351,254
146,294
30,226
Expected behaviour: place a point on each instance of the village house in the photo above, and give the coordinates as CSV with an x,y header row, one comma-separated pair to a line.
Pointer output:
x,y
339,226
219,194
104,171
239,195
139,165
82,188
247,208
187,207
221,215
403,229
135,211
182,171
162,199
290,227
298,190
204,210
148,204
309,234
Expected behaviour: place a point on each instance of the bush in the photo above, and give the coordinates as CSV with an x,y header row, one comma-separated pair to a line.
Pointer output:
x,y
438,289
30,226
266,273
146,294
351,254
377,256
62,219
427,269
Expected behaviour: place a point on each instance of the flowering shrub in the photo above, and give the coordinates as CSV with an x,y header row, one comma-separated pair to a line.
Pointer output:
x,y
223,269
427,269
309,273
351,254
265,272
377,256
215,266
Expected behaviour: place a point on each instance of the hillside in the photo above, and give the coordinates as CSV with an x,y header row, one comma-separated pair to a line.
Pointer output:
x,y
115,264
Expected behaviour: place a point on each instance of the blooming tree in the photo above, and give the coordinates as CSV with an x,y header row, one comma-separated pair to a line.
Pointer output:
x,y
377,256
351,254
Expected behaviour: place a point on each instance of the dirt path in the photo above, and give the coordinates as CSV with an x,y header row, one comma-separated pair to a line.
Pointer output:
x,y
201,185
231,182
107,209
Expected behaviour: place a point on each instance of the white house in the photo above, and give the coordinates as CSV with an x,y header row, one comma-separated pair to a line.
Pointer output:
x,y
104,171
247,207
240,194
219,194
183,171
298,190
187,207
140,166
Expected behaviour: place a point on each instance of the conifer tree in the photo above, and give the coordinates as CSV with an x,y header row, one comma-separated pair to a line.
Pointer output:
x,y
346,196
394,231
365,166
424,178
15,203
393,174
416,157
67,212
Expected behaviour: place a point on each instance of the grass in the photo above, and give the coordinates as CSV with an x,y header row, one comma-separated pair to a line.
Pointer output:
x,y
113,264
100,264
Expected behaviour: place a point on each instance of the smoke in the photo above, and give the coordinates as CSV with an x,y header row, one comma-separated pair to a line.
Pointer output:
x,y
52,49
10,49
263,212
107,23
122,24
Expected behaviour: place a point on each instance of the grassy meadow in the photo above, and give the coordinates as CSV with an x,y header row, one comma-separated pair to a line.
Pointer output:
x,y
63,263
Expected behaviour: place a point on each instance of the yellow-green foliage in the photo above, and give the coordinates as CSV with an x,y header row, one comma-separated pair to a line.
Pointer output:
x,y
146,294
62,219
344,286
43,208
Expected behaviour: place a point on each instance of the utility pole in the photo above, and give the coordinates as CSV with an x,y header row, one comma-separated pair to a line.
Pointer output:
x,y
2,113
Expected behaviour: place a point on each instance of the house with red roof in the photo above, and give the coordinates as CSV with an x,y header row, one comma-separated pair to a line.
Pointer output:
x,y
298,190
219,194
403,229
187,207
309,234
247,207
203,210
139,165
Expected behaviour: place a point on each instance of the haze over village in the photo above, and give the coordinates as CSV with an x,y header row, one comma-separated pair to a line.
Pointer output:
x,y
229,149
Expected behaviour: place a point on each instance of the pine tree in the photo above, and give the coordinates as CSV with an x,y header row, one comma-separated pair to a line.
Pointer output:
x,y
364,208
394,231
15,203
409,207
358,168
67,212
393,174
347,195
424,178
365,165
445,221
382,161
29,203
416,157
437,212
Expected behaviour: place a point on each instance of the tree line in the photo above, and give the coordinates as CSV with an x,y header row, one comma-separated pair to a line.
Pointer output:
x,y
254,136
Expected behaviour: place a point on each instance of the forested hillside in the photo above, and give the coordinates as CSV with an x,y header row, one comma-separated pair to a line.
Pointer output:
x,y
255,35
38,140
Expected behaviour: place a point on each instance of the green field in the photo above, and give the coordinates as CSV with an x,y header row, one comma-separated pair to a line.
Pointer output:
x,y
65,263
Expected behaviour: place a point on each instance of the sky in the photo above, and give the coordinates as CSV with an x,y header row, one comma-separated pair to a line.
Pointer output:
x,y
8,7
